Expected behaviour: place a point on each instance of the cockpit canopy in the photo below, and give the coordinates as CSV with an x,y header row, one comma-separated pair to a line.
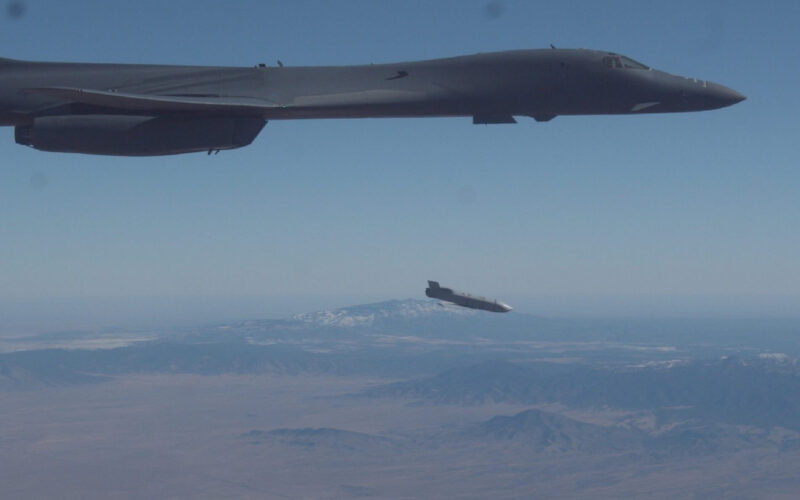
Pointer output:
x,y
622,62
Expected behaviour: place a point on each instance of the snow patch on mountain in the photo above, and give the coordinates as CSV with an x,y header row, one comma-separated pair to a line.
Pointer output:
x,y
368,315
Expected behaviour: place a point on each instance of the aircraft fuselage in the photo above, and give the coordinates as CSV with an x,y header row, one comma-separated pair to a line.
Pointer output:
x,y
490,88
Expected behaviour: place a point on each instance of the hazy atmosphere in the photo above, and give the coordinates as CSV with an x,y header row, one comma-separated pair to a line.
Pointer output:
x,y
691,213
253,324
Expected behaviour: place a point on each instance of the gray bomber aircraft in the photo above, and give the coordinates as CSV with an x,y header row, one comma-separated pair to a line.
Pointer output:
x,y
144,110
463,299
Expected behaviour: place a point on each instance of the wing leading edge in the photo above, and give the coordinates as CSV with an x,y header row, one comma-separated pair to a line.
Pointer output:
x,y
299,106
157,103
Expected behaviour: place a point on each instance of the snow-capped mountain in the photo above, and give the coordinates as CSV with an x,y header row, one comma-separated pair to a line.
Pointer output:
x,y
409,317
370,315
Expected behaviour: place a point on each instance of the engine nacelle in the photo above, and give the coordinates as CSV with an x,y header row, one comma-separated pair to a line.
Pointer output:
x,y
124,135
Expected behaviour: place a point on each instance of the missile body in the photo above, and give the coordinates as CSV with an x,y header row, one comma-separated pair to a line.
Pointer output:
x,y
435,291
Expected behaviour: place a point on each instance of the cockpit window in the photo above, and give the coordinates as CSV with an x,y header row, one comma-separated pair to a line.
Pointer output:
x,y
630,63
622,62
612,62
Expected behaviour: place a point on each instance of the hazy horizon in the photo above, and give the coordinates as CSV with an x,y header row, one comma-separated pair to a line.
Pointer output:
x,y
40,315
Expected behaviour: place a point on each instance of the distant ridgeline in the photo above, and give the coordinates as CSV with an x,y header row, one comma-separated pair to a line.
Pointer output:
x,y
754,392
758,392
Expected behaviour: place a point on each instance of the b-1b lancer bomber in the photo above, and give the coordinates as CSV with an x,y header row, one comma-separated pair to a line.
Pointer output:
x,y
146,110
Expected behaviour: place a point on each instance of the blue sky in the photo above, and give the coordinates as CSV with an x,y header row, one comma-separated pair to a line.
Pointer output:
x,y
686,213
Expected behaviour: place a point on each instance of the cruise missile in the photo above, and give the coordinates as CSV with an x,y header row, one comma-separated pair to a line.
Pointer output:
x,y
435,291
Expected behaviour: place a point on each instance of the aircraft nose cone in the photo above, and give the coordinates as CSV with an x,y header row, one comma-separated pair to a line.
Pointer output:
x,y
721,96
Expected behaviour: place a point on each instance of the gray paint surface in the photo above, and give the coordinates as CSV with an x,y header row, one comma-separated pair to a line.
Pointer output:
x,y
490,88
